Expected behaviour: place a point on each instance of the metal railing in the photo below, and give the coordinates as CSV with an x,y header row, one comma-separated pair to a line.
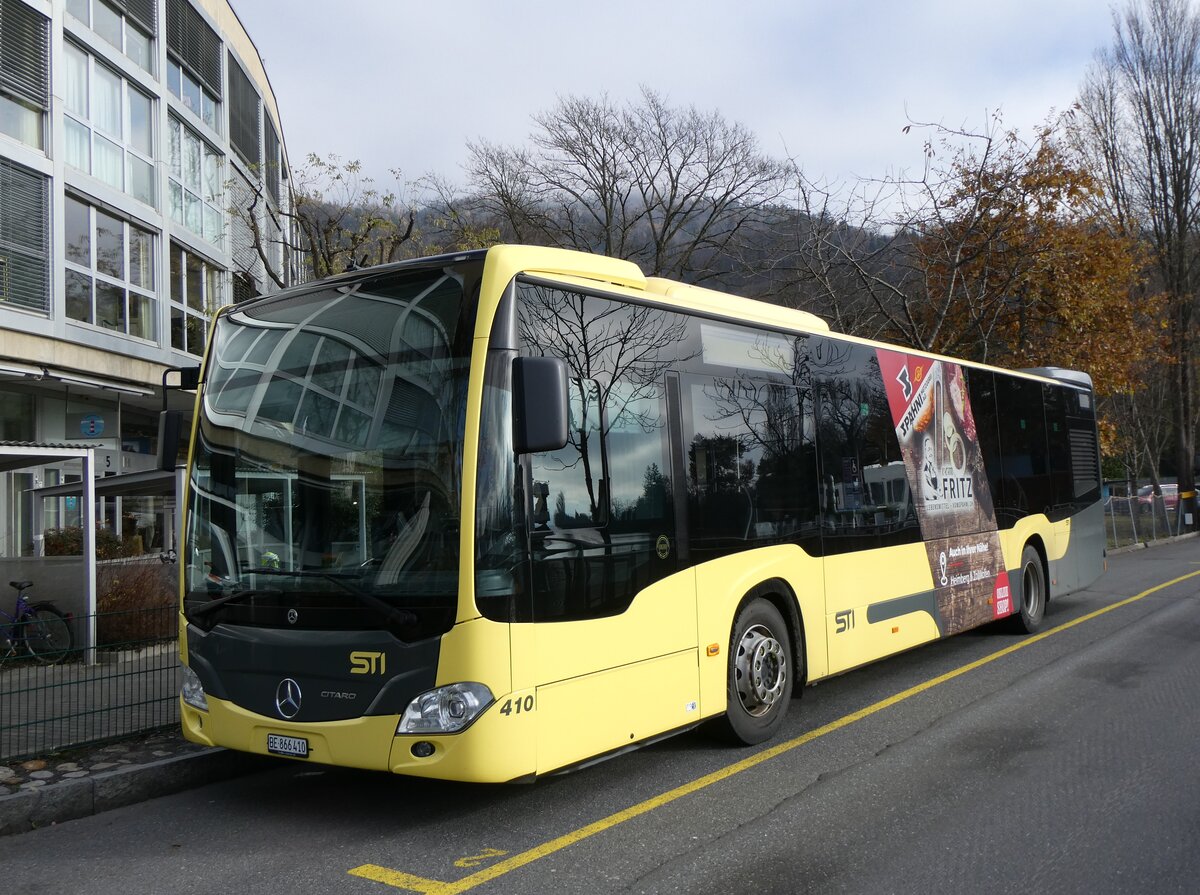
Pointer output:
x,y
131,688
1135,518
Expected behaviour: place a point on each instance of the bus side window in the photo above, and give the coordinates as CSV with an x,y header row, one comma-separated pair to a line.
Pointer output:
x,y
751,465
568,483
567,513
1058,450
1026,473
981,388
858,447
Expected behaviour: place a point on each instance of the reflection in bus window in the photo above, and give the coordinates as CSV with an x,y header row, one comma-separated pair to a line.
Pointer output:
x,y
860,455
601,520
751,465
567,482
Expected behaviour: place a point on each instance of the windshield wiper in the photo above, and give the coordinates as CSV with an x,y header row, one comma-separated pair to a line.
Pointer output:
x,y
217,602
400,617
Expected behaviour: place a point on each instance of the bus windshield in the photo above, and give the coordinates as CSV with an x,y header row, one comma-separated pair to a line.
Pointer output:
x,y
326,475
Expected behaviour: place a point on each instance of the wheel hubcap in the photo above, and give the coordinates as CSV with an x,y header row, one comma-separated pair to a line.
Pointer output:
x,y
761,667
1031,584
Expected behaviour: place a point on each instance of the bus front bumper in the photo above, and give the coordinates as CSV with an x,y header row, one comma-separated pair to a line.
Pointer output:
x,y
496,748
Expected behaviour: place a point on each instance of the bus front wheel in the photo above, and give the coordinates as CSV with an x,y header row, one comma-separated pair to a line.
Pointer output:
x,y
1033,592
760,674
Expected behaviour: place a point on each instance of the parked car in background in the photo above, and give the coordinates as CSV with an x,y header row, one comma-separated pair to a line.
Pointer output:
x,y
1146,499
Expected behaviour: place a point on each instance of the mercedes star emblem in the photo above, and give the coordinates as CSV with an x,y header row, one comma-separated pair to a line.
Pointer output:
x,y
293,615
287,698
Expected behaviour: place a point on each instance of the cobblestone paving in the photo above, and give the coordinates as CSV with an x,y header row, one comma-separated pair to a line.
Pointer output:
x,y
73,764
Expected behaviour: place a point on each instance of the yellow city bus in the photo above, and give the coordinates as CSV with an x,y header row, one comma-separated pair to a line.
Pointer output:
x,y
500,514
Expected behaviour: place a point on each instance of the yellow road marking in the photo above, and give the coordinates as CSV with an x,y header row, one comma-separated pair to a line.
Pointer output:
x,y
399,880
433,887
476,860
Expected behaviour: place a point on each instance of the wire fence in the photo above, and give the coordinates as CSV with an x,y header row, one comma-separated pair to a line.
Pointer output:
x,y
1140,516
132,686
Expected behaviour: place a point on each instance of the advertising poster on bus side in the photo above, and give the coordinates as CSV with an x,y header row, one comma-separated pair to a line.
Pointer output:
x,y
935,426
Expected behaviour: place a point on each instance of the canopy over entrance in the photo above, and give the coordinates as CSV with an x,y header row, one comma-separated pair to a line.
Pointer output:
x,y
16,455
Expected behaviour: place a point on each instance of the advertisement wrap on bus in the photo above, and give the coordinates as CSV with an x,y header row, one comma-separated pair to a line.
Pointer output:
x,y
935,426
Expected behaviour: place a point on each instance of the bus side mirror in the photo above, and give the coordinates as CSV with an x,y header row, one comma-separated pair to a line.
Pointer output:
x,y
170,422
539,404
170,431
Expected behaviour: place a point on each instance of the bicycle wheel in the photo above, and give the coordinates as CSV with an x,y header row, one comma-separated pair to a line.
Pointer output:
x,y
46,633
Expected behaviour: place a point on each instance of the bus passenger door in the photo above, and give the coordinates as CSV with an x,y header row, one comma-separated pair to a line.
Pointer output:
x,y
609,645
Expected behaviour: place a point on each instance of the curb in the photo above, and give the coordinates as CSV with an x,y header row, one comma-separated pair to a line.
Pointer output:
x,y
1143,545
31,809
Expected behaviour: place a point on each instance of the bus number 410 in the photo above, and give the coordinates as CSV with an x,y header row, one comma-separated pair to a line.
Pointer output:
x,y
518,705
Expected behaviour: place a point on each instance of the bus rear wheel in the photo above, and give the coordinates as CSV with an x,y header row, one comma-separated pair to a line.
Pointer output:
x,y
760,674
1034,593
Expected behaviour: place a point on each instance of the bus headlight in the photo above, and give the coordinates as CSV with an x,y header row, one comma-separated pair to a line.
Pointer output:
x,y
192,690
445,710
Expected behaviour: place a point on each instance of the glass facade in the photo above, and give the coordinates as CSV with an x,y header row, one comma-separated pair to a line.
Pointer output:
x,y
196,292
197,183
109,125
124,253
118,28
113,79
192,95
109,274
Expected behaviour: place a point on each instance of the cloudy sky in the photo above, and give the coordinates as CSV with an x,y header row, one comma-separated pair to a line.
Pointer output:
x,y
399,84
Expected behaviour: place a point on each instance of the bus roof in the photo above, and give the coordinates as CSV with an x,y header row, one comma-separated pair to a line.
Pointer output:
x,y
585,269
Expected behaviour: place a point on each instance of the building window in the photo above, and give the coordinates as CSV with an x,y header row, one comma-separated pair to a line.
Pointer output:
x,y
244,130
109,126
195,294
245,287
109,272
126,24
22,121
194,68
17,417
24,238
195,98
24,73
196,183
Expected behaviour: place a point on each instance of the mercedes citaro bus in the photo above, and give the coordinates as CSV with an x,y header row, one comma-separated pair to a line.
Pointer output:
x,y
498,514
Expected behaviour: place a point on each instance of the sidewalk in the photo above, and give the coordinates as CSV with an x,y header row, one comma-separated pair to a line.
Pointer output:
x,y
81,782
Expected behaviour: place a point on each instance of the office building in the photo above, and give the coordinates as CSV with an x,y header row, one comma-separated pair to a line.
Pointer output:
x,y
138,138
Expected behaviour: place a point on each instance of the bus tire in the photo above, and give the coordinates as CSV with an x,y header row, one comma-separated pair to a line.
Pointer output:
x,y
760,674
1034,593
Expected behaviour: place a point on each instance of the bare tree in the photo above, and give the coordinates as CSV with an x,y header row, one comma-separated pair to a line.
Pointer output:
x,y
334,217
1141,418
995,253
835,254
668,188
1140,122
1100,135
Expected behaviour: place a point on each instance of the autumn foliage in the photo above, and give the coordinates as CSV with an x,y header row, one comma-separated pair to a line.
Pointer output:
x,y
1022,268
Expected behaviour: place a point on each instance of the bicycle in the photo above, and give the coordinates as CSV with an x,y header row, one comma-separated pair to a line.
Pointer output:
x,y
40,629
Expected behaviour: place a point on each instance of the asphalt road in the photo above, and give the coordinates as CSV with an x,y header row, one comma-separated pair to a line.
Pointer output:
x,y
986,763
